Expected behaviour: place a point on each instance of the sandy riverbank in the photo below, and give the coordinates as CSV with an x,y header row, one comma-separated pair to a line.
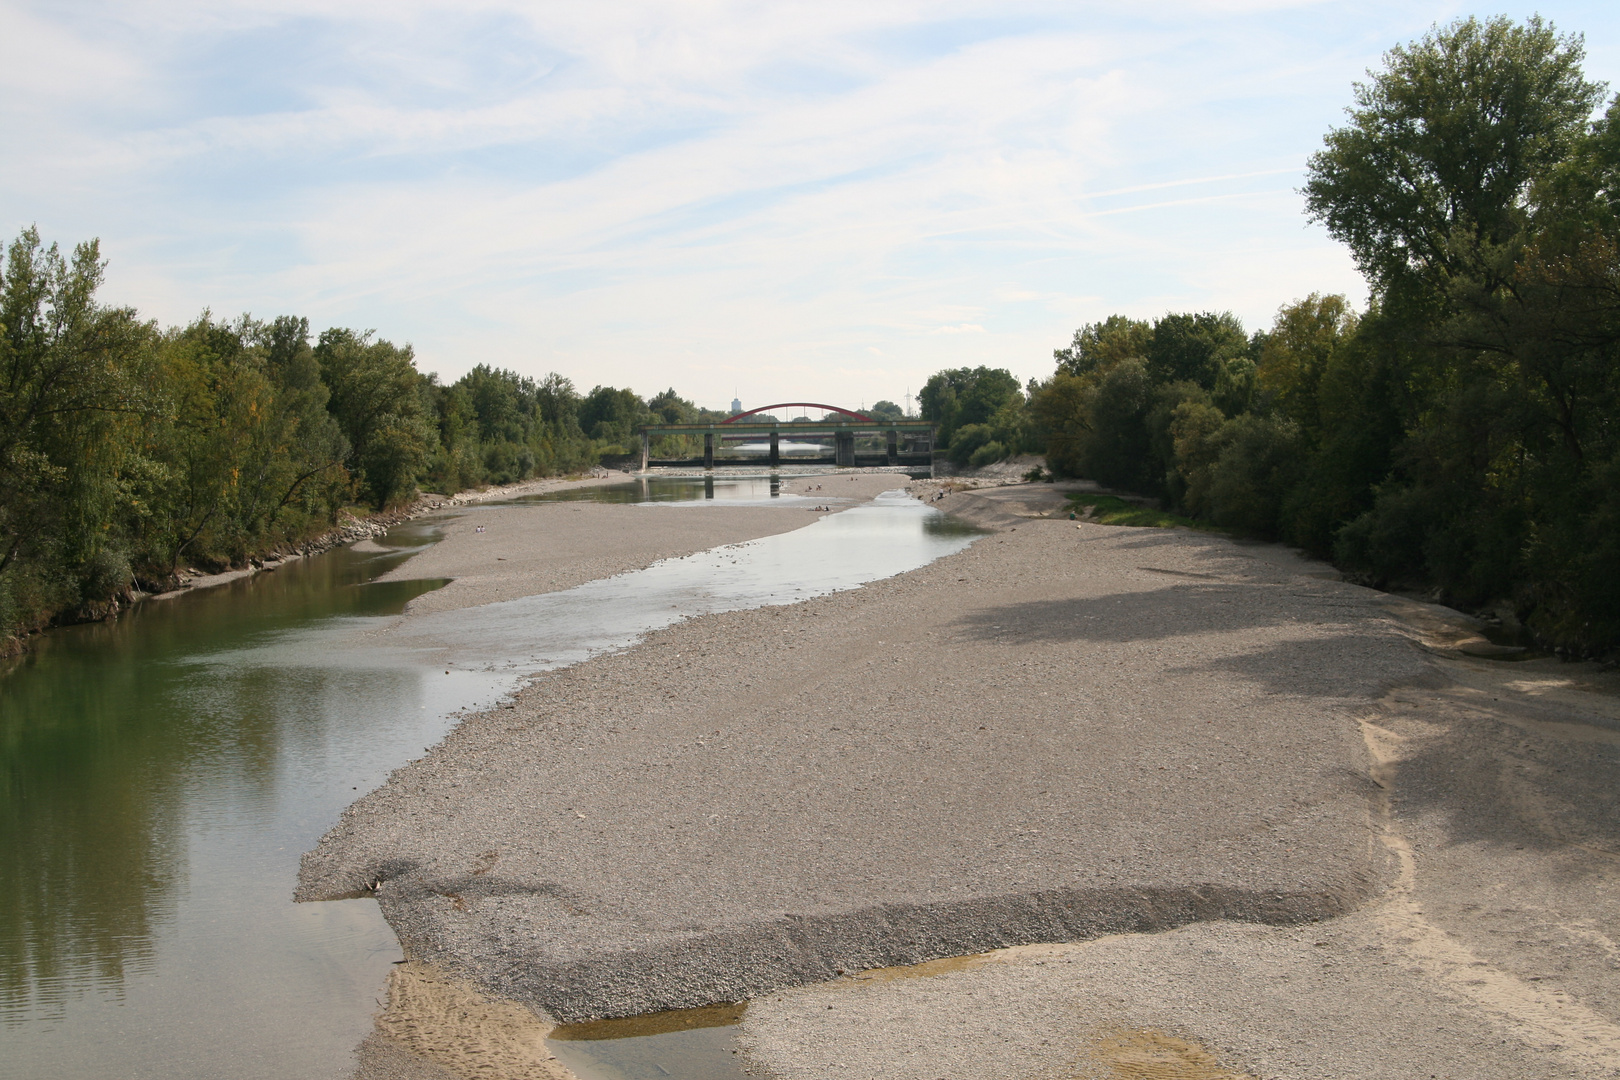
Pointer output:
x,y
536,547
1361,852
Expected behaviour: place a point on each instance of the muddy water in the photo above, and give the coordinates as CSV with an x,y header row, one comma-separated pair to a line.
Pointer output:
x,y
160,777
684,1044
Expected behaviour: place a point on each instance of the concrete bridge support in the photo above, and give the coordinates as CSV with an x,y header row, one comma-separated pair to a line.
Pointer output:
x,y
894,447
708,450
844,448
776,452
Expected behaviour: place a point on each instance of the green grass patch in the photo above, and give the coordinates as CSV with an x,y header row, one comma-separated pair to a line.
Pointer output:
x,y
1113,510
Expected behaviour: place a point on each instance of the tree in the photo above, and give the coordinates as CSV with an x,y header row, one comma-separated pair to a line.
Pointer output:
x,y
70,391
377,399
960,396
1187,347
310,448
1445,146
1061,409
1097,347
611,416
886,410
1298,352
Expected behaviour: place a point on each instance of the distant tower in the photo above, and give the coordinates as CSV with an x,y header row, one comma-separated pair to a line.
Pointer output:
x,y
736,406
908,402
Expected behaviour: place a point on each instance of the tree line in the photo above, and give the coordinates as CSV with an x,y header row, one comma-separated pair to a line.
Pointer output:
x,y
1461,435
128,450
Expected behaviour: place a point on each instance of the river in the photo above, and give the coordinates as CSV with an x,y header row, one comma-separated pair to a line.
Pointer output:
x,y
161,775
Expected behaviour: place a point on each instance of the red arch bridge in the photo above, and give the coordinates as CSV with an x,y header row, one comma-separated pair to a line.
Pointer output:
x,y
842,437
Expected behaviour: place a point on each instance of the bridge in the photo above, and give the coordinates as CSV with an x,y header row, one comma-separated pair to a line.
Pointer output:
x,y
758,439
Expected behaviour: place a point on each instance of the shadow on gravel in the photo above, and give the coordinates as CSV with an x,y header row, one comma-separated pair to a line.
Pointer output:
x,y
1181,607
1499,784
1339,662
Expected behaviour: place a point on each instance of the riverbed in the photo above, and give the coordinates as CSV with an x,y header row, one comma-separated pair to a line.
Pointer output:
x,y
162,774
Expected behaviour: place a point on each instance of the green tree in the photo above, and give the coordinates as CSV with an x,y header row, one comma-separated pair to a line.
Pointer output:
x,y
1471,187
1060,409
960,396
1187,347
1097,347
1306,337
378,401
611,417
71,391
1445,146
1119,452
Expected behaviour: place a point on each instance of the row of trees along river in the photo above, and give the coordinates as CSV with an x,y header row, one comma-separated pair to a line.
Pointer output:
x,y
1461,435
128,450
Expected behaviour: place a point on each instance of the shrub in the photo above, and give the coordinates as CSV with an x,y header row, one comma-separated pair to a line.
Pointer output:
x,y
988,454
968,439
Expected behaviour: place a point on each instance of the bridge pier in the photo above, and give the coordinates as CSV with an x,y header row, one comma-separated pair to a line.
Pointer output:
x,y
708,450
776,452
894,447
844,448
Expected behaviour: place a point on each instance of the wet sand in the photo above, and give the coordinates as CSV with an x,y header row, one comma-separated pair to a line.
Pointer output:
x,y
1221,814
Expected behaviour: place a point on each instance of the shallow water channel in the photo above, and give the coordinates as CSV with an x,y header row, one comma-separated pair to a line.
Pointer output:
x,y
160,777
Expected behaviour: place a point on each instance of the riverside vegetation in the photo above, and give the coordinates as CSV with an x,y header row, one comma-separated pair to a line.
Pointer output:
x,y
127,449
1460,436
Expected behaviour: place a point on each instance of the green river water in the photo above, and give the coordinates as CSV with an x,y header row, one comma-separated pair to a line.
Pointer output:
x,y
161,775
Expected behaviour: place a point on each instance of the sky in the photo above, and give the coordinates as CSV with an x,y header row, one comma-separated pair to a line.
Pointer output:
x,y
825,201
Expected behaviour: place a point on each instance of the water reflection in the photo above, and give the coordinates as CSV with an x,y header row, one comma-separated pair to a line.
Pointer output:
x,y
732,490
152,811
160,777
686,1044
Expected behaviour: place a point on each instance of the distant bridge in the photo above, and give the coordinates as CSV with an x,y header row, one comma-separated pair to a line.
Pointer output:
x,y
855,438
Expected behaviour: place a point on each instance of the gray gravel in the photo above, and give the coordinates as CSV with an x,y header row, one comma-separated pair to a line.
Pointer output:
x,y
1493,955
1061,733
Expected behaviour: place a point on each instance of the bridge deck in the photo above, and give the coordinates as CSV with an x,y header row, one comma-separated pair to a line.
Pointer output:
x,y
919,434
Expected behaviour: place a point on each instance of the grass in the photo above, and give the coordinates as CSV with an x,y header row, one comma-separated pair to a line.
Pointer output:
x,y
1113,510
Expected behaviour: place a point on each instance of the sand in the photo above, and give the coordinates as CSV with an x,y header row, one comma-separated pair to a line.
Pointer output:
x,y
1202,809
537,547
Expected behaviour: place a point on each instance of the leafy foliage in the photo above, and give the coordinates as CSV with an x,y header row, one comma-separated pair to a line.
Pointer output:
x,y
127,451
1463,434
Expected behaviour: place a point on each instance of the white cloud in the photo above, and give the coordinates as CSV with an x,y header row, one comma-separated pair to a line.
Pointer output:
x,y
822,200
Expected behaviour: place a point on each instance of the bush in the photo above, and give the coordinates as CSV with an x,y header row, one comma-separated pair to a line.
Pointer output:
x,y
1259,461
988,454
968,439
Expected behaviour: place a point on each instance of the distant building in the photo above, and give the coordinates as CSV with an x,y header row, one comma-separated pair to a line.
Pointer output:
x,y
736,406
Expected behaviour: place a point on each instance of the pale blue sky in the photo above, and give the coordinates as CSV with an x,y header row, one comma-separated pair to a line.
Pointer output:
x,y
816,201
